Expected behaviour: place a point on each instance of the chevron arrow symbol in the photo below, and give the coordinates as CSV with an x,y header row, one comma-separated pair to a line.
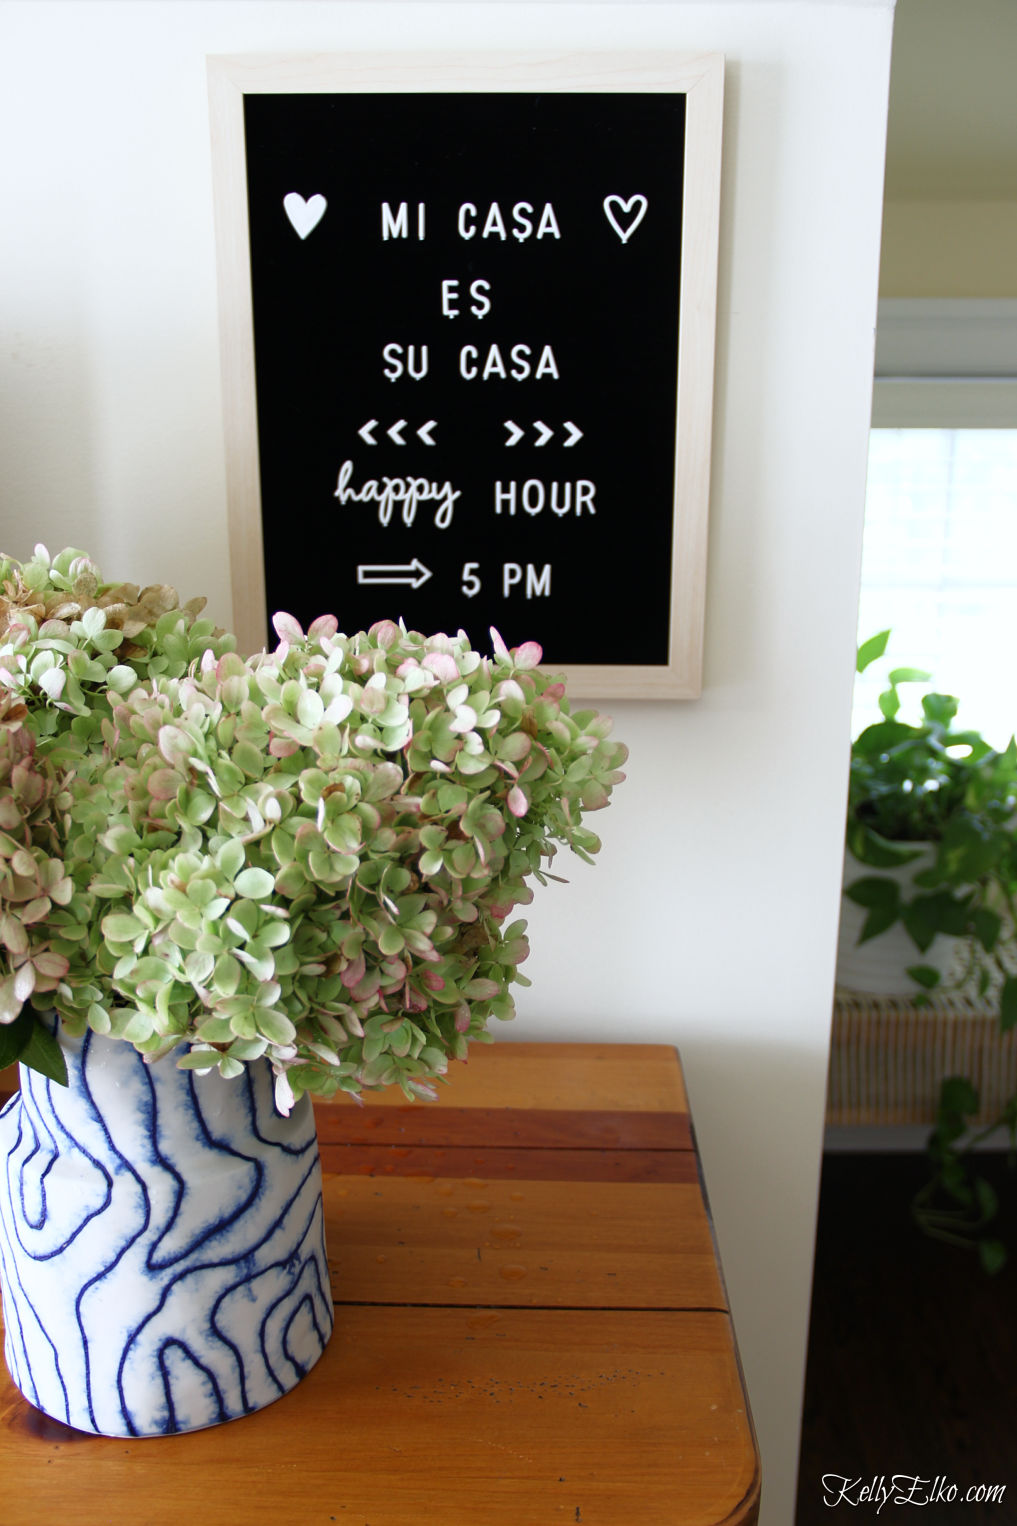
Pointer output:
x,y
424,432
366,432
395,434
515,433
574,434
414,573
544,434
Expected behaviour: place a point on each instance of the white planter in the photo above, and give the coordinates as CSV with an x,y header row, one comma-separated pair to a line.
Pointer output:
x,y
879,966
162,1256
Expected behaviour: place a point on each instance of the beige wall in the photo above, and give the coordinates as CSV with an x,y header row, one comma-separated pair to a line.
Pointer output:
x,y
949,249
710,920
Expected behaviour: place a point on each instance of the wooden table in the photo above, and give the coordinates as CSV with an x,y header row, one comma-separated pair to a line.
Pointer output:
x,y
531,1327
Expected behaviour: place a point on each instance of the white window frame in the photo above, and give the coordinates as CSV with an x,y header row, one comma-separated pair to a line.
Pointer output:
x,y
945,364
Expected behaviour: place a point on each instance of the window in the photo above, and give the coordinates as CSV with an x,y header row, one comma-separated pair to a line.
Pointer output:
x,y
939,562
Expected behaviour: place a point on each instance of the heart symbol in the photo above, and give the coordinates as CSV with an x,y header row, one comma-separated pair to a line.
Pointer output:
x,y
625,230
304,215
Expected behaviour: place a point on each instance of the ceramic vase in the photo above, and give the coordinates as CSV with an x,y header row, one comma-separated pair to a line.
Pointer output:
x,y
162,1254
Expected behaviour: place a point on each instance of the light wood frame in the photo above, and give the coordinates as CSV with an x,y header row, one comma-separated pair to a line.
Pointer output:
x,y
700,77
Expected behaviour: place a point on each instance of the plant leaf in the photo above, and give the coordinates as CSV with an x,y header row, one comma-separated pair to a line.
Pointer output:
x,y
870,651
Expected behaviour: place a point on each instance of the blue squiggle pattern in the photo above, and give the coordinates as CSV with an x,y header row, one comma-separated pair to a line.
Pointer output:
x,y
162,1255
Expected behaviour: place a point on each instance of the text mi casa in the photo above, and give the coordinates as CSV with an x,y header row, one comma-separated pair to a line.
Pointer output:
x,y
521,221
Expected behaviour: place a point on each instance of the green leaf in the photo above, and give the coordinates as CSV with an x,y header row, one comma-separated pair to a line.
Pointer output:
x,y
878,852
14,1036
43,1053
122,927
874,892
1008,1005
993,1256
256,884
924,975
939,708
889,703
881,898
986,1197
958,1096
987,927
909,676
870,651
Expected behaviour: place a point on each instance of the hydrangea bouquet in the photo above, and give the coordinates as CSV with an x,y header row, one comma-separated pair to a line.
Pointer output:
x,y
310,855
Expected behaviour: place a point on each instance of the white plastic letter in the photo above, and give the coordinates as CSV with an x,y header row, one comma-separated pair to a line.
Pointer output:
x,y
467,208
538,586
548,222
505,496
397,226
393,354
481,304
520,362
523,226
566,502
547,365
449,298
468,362
494,365
494,224
511,573
533,495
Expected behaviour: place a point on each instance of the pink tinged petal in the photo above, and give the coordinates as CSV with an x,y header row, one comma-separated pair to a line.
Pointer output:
x,y
554,691
442,666
52,683
517,801
497,644
385,633
287,628
174,744
208,662
51,966
354,972
465,719
432,980
528,655
283,747
439,767
462,1018
163,784
509,689
24,982
405,666
325,625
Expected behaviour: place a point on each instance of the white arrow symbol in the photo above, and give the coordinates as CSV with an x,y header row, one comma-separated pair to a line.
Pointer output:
x,y
516,433
395,434
424,432
413,572
574,434
366,434
545,433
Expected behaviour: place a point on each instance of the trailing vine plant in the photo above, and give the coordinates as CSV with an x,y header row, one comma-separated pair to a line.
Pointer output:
x,y
931,782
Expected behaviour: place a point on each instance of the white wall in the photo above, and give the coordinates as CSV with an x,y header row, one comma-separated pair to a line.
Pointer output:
x,y
710,921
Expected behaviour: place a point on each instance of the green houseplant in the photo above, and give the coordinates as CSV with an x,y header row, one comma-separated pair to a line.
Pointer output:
x,y
934,793
293,871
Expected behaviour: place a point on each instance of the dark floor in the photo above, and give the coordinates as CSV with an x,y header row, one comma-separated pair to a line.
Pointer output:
x,y
912,1366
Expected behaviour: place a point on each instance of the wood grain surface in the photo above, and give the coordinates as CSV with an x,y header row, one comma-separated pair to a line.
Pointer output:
x,y
531,1327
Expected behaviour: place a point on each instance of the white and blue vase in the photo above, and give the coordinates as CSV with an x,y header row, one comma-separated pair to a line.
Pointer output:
x,y
162,1249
